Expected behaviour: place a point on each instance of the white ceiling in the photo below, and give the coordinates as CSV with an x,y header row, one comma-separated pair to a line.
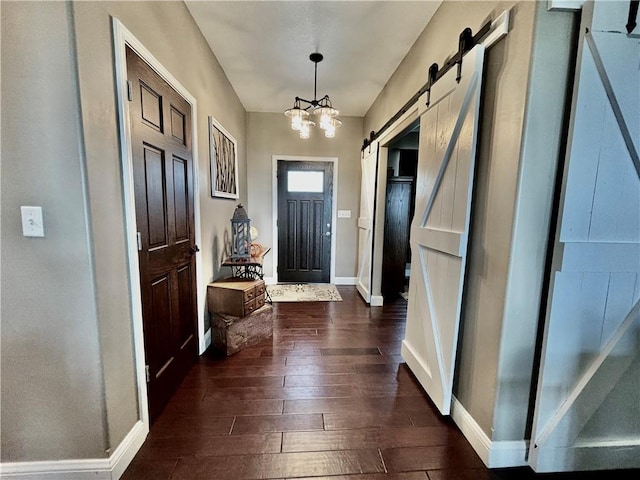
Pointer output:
x,y
264,47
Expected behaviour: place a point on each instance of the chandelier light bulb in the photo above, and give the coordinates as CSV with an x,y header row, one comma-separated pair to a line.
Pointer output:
x,y
326,114
330,129
298,116
296,123
305,128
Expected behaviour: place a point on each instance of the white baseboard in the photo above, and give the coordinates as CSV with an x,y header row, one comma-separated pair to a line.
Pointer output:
x,y
506,454
206,342
124,453
479,440
110,468
364,293
96,469
500,454
377,301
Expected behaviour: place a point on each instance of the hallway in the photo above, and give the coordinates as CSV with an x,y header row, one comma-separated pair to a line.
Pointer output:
x,y
329,396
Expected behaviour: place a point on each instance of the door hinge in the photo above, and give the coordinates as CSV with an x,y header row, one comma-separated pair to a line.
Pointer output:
x,y
146,371
130,90
139,241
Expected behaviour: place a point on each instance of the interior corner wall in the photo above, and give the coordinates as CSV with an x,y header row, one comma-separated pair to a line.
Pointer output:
x,y
502,122
169,32
270,134
52,387
548,96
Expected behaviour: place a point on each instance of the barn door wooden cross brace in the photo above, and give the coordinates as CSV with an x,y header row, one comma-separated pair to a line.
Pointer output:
x,y
613,101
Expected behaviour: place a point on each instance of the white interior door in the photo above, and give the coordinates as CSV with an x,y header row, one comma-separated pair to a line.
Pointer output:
x,y
587,413
440,228
369,160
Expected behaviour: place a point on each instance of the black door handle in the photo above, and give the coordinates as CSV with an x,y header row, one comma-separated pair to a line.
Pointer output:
x,y
194,249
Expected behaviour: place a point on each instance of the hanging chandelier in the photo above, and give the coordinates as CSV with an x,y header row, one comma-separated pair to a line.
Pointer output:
x,y
321,109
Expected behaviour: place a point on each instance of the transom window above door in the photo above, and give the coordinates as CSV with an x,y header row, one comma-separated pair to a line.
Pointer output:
x,y
305,181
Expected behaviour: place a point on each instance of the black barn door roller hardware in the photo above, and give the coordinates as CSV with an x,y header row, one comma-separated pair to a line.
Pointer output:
x,y
466,42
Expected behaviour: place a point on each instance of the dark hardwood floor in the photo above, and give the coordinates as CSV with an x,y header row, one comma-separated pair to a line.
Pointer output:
x,y
328,397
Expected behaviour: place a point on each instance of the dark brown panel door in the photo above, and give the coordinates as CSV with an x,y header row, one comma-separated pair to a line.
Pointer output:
x,y
305,192
163,177
397,225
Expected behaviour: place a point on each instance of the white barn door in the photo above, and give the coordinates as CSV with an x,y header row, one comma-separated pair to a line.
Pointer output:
x,y
369,160
440,228
587,413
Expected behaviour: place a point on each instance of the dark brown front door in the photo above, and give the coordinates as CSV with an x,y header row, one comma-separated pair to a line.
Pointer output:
x,y
163,178
305,192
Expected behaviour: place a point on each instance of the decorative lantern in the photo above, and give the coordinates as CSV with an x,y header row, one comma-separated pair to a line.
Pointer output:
x,y
240,234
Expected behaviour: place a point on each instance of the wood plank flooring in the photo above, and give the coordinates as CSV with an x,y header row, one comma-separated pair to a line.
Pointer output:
x,y
328,397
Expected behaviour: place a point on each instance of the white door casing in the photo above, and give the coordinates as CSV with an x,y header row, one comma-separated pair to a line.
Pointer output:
x,y
440,228
587,413
369,161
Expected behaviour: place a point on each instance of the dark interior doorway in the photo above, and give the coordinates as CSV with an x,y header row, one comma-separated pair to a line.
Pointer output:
x,y
402,164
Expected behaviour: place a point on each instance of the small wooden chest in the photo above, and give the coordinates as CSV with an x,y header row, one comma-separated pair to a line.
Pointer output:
x,y
235,296
230,334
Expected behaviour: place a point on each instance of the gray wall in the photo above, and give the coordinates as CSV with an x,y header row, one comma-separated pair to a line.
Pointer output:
x,y
52,389
553,56
68,387
269,134
503,120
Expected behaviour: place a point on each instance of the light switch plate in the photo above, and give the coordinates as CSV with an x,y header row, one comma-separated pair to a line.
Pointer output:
x,y
32,224
344,213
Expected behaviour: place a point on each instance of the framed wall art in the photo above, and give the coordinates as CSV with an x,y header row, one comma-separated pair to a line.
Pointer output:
x,y
224,161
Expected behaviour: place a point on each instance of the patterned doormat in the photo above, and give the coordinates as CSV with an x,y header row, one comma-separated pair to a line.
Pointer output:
x,y
308,292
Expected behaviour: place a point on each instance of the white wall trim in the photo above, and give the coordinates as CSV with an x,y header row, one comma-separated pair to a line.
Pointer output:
x,y
110,468
124,453
565,5
121,35
207,339
501,454
334,210
376,301
345,280
121,38
95,469
398,127
479,440
505,454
